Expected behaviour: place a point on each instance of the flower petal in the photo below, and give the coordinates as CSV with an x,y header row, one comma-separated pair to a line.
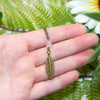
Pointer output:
x,y
91,24
74,3
97,29
81,18
78,9
79,6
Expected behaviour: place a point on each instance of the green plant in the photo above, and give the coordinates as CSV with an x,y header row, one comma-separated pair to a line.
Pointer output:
x,y
27,15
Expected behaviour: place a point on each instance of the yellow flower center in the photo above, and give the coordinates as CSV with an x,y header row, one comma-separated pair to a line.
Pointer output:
x,y
95,5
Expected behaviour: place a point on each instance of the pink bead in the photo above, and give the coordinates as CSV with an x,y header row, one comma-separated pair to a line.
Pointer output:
x,y
48,44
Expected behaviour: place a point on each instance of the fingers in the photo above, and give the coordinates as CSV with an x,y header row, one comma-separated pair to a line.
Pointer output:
x,y
66,48
37,39
63,65
46,87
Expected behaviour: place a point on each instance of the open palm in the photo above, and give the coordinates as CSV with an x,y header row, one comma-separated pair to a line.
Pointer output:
x,y
23,56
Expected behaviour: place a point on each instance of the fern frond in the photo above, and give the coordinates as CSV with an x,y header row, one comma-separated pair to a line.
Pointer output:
x,y
45,14
56,15
2,31
24,15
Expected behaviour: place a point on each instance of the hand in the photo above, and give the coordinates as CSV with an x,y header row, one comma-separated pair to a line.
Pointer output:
x,y
23,56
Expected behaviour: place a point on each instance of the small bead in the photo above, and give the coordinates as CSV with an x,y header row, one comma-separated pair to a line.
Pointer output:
x,y
48,44
48,52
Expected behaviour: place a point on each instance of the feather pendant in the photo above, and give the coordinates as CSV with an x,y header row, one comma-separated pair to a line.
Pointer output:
x,y
50,67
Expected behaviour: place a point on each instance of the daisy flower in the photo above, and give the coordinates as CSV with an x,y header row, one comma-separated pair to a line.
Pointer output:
x,y
79,6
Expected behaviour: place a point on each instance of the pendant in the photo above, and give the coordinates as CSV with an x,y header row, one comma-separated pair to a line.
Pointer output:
x,y
49,62
50,67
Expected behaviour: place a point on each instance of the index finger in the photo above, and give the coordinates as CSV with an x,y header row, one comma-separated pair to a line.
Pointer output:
x,y
37,39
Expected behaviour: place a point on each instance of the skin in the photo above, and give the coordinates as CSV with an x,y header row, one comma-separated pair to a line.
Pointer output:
x,y
23,56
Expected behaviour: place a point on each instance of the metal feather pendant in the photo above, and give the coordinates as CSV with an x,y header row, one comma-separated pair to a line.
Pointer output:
x,y
50,67
49,62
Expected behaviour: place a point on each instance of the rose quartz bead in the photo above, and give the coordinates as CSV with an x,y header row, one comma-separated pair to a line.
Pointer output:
x,y
48,44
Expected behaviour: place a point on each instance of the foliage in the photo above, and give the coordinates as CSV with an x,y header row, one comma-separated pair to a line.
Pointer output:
x,y
96,53
28,15
95,16
24,15
83,89
1,15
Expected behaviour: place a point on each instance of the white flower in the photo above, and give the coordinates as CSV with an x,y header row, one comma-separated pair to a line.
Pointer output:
x,y
85,6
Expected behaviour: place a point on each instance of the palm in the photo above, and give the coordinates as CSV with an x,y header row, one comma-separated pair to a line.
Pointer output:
x,y
17,71
23,76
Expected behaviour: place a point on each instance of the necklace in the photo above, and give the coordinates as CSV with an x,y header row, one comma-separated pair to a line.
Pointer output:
x,y
49,62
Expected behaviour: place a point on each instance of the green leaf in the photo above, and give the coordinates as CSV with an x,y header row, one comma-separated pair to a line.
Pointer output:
x,y
96,73
1,15
93,15
96,53
98,36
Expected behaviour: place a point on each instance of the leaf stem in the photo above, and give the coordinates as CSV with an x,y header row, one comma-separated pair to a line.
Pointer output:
x,y
86,76
13,29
